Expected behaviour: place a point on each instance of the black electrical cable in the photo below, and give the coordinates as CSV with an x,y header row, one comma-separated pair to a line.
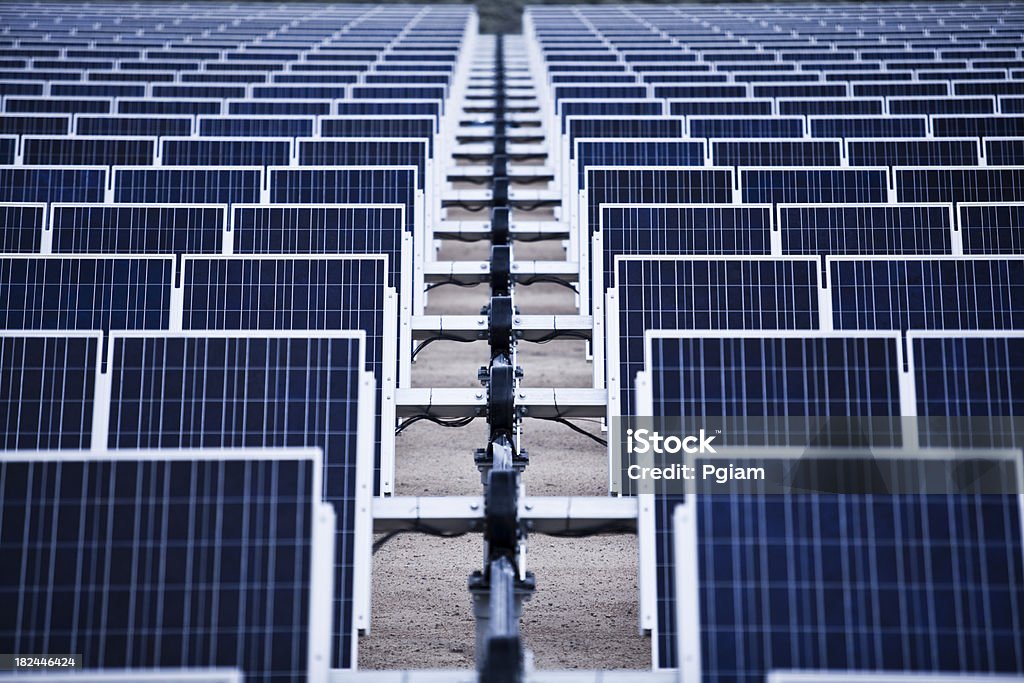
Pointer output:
x,y
437,337
418,527
547,279
455,422
450,281
575,428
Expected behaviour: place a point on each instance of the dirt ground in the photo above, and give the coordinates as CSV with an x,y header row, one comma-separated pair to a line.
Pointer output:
x,y
584,613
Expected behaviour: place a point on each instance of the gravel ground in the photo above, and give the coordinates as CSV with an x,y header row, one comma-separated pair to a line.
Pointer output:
x,y
584,613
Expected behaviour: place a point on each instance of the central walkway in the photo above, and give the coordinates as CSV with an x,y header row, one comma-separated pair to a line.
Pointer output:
x,y
584,611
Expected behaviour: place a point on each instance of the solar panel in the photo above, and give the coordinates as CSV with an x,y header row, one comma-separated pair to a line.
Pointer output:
x,y
47,387
290,108
54,105
316,393
759,374
366,152
208,151
164,558
623,127
991,228
941,105
913,152
88,151
814,185
21,227
170,106
264,126
959,184
52,184
305,293
718,107
776,152
85,292
393,126
187,185
926,293
1004,151
635,152
816,106
868,126
137,229
746,127
151,125
33,124
865,229
388,108
978,126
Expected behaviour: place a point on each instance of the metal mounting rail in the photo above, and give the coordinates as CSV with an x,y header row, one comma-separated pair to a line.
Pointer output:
x,y
479,271
519,230
517,198
542,514
514,172
539,402
531,328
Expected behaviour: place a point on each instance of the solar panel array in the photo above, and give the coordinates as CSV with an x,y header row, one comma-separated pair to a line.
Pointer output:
x,y
210,218
821,219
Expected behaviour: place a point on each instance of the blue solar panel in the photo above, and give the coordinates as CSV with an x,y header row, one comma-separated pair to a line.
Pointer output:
x,y
927,293
866,229
31,124
88,151
760,374
776,152
378,127
625,185
277,108
634,127
164,559
752,127
133,125
302,293
388,108
959,184
913,152
266,126
366,152
941,105
50,105
179,107
136,229
54,184
187,185
869,127
717,107
303,389
825,107
21,227
589,108
1004,151
992,228
815,186
225,152
47,386
346,186
978,126
85,293
610,152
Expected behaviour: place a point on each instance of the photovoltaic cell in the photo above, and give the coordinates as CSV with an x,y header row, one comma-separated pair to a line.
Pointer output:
x,y
133,126
776,152
635,127
52,184
21,227
32,124
587,108
47,390
869,127
380,127
365,152
187,185
1004,151
933,293
913,152
85,293
959,184
752,127
137,229
992,228
235,391
816,186
88,151
640,152
225,152
266,126
866,229
162,559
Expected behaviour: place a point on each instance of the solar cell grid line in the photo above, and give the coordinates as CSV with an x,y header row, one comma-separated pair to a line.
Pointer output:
x,y
891,557
137,228
318,394
56,292
262,126
88,150
21,227
187,184
991,228
886,126
959,184
366,151
187,559
52,184
816,185
226,151
913,152
866,229
298,292
47,389
776,152
926,293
